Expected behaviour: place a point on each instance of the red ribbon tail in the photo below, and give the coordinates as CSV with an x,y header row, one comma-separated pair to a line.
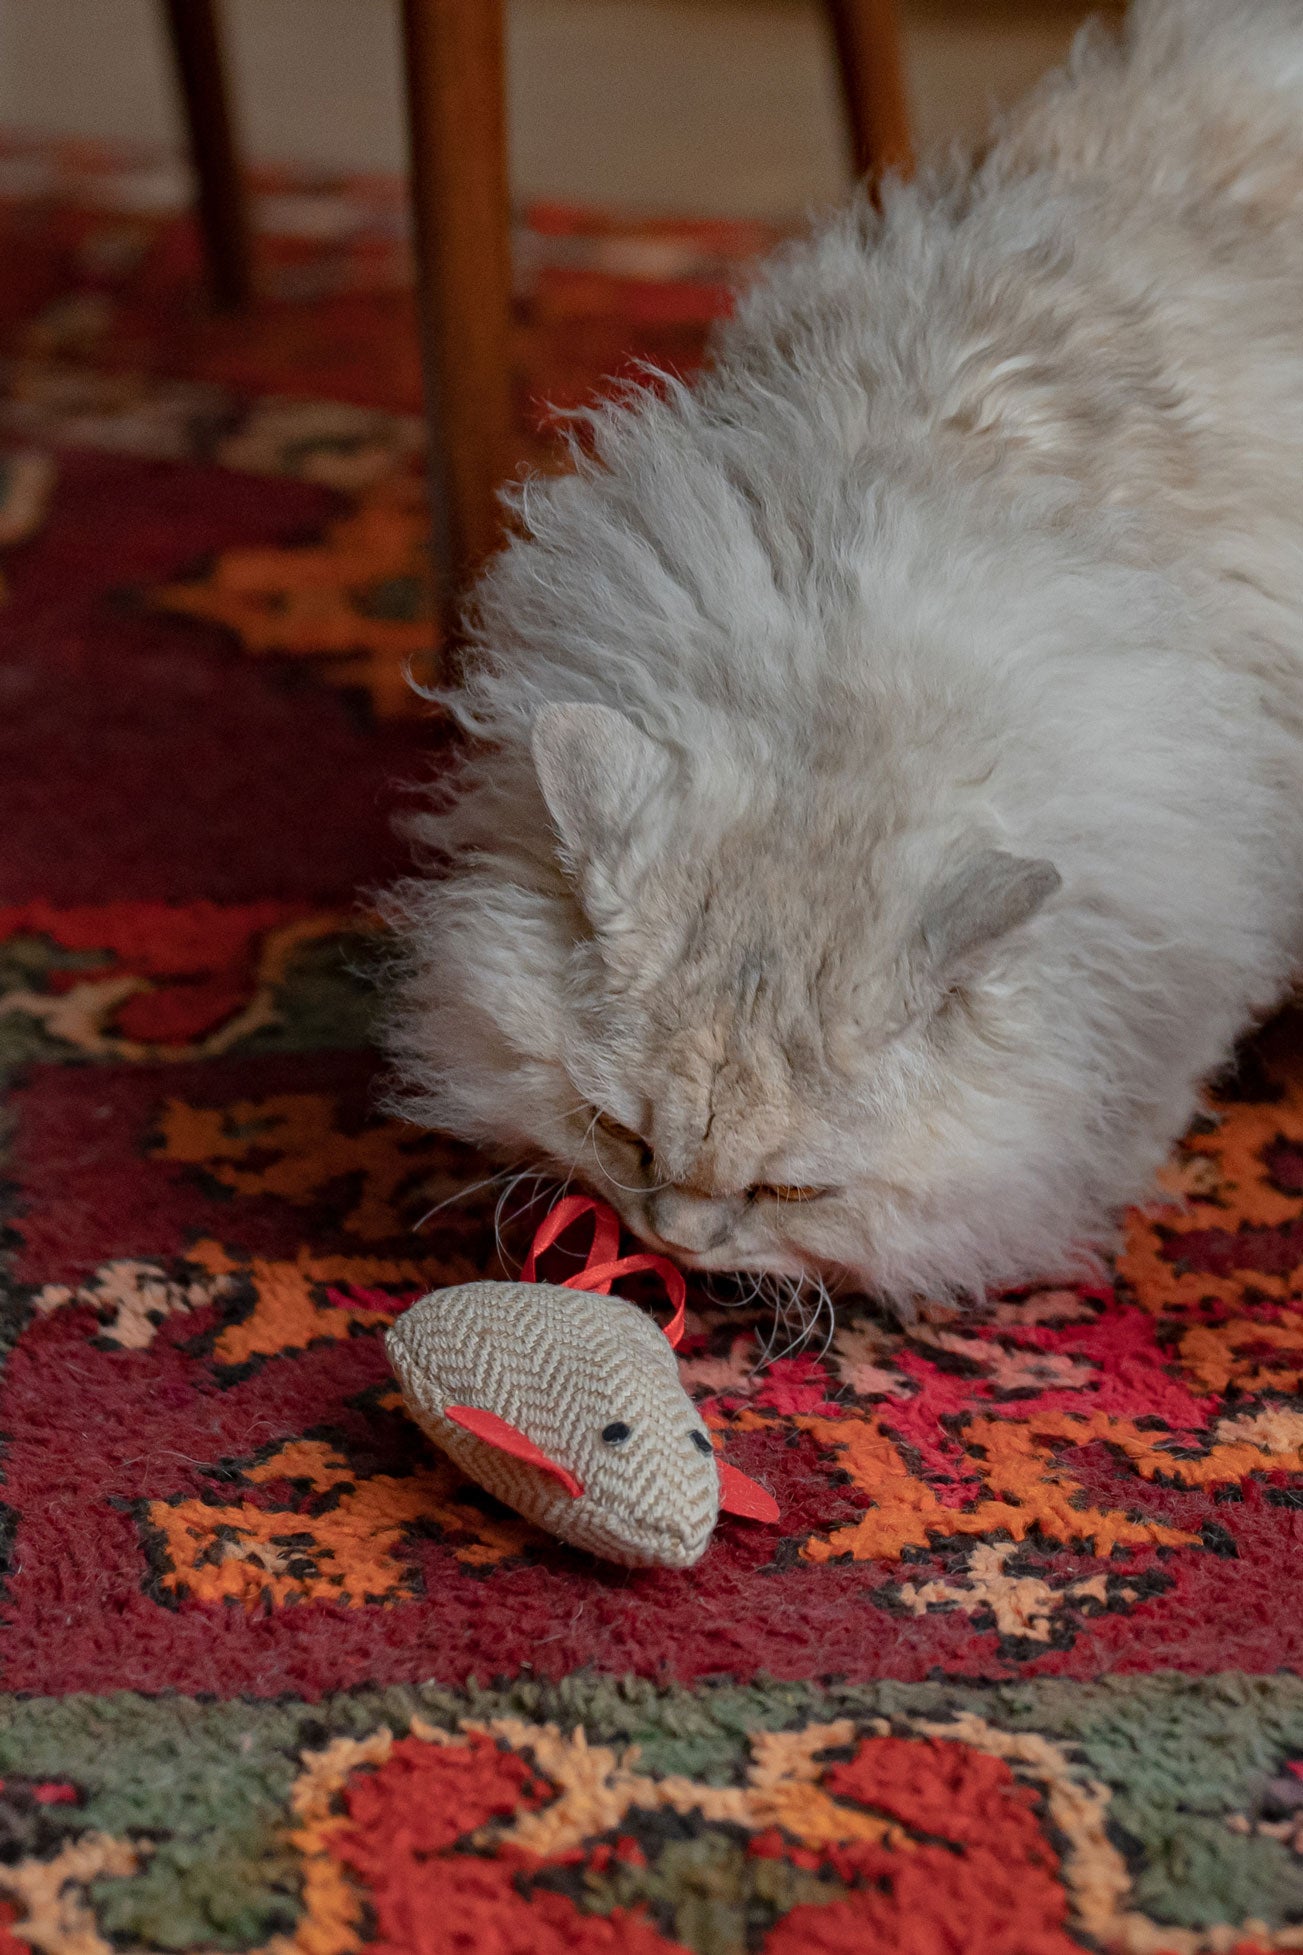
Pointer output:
x,y
604,1262
606,1232
600,1276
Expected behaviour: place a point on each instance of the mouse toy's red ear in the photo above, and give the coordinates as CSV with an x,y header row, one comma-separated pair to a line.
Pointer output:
x,y
510,1439
739,1495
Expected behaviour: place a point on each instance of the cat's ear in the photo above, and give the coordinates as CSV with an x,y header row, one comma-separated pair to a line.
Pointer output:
x,y
596,772
989,896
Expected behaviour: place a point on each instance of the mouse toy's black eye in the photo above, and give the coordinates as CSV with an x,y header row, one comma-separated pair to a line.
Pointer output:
x,y
701,1442
616,1433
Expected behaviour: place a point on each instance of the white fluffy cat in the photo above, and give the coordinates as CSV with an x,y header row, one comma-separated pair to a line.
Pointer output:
x,y
891,799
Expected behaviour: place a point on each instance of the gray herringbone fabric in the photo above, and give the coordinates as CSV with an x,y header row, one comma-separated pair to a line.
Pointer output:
x,y
563,1366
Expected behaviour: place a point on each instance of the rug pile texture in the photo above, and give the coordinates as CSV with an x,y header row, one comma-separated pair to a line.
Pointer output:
x,y
1019,1671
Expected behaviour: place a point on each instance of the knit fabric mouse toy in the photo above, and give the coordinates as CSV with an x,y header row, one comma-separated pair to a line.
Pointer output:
x,y
565,1403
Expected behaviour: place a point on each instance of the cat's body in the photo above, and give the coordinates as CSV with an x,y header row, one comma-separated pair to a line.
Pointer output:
x,y
959,614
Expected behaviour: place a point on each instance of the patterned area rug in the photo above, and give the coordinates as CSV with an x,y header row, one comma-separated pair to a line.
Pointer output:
x,y
1019,1672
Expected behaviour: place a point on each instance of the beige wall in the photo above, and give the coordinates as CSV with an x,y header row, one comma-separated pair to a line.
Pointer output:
x,y
725,106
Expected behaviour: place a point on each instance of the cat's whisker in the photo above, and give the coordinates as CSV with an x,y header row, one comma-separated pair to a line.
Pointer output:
x,y
764,1344
826,1303
799,1309
540,1177
541,1182
573,1169
568,1183
610,1180
778,1292
501,1203
790,1305
647,1188
589,1131
732,1290
461,1195
750,1294
742,1287
574,1165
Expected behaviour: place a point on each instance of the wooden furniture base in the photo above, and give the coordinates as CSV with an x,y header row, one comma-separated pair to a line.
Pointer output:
x,y
456,104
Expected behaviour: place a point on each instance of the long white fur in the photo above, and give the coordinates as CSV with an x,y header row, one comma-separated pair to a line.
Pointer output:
x,y
984,531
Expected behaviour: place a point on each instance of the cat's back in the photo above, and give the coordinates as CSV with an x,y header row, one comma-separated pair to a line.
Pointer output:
x,y
1111,298
1198,103
1078,301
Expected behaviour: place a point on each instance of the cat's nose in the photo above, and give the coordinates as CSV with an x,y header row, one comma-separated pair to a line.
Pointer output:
x,y
690,1222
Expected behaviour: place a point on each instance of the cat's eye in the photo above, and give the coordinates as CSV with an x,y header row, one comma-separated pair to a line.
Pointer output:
x,y
777,1191
610,1125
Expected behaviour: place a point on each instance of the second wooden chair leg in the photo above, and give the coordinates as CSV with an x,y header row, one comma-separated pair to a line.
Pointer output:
x,y
223,208
867,33
457,112
457,116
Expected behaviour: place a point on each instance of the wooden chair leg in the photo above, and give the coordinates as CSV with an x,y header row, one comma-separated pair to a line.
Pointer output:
x,y
867,33
223,209
457,121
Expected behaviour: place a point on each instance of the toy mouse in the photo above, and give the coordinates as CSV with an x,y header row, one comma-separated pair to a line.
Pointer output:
x,y
565,1403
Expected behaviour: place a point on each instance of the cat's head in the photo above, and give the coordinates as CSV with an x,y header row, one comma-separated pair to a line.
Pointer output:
x,y
789,1014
